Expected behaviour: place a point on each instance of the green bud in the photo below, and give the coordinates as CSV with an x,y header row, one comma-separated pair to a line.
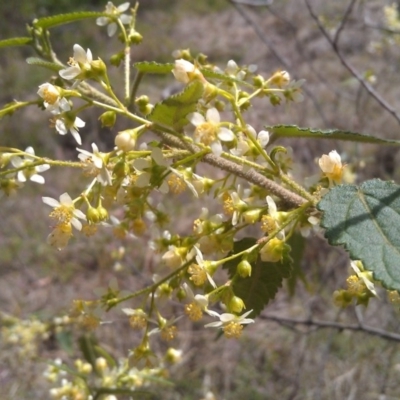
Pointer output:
x,y
98,68
108,119
121,169
202,58
181,294
117,58
244,269
258,81
103,213
93,215
135,37
275,100
236,305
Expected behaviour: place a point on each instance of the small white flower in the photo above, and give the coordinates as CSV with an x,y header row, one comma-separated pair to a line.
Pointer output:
x,y
144,167
185,72
225,318
64,211
81,62
31,173
95,165
209,130
331,166
116,12
52,98
365,276
293,91
65,123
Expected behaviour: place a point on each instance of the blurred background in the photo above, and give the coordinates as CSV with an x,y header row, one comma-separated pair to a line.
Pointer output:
x,y
302,347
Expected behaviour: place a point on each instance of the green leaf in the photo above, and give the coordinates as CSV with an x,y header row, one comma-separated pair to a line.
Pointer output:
x,y
64,340
61,19
365,219
153,67
265,280
297,132
297,243
43,63
172,111
17,41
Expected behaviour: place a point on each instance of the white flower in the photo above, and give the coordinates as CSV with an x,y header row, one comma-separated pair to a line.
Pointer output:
x,y
231,324
64,211
116,12
95,165
52,98
185,72
209,130
81,62
144,167
31,173
65,123
331,166
365,276
293,91
199,299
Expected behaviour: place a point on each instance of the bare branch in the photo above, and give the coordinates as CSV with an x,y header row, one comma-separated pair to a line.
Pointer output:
x,y
343,22
350,68
370,330
272,49
250,175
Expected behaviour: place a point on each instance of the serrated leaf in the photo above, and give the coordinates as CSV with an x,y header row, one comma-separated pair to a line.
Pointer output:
x,y
365,219
210,74
173,110
297,243
17,41
42,63
153,67
61,19
265,280
297,132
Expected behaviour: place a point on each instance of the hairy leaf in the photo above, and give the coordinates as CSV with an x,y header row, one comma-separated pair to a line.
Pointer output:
x,y
17,41
173,110
297,132
61,19
43,63
297,242
153,67
365,219
265,280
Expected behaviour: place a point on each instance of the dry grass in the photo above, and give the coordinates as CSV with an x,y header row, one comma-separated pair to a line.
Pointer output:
x,y
271,361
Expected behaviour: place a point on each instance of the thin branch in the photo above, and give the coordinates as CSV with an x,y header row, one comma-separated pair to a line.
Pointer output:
x,y
351,69
271,48
250,175
343,22
370,330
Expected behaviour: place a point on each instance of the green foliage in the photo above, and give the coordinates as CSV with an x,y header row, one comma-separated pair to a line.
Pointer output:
x,y
297,132
17,41
173,110
42,63
365,219
153,67
265,280
62,19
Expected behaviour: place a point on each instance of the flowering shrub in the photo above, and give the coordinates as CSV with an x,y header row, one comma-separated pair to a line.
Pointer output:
x,y
235,259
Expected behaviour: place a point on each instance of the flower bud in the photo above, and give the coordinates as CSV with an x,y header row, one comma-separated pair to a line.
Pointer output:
x,y
126,140
108,119
101,364
99,68
244,269
117,58
103,213
135,37
236,305
93,215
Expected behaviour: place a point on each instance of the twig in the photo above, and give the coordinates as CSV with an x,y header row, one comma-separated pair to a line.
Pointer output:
x,y
333,325
343,22
229,166
272,49
350,68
